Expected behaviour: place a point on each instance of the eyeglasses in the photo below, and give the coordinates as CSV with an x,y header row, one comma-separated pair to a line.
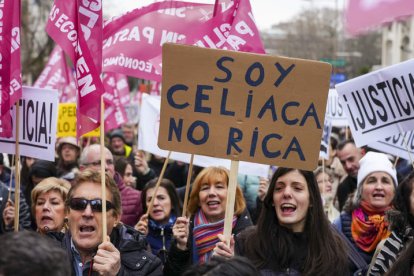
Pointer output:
x,y
98,163
80,204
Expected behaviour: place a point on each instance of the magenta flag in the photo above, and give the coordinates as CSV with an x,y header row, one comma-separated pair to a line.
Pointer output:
x,y
132,43
72,25
55,75
58,75
364,14
10,66
115,85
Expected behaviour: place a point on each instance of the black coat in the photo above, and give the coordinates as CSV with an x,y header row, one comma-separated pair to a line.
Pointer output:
x,y
179,260
135,259
24,210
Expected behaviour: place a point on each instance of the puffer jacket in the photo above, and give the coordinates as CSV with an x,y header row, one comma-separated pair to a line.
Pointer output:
x,y
135,259
130,201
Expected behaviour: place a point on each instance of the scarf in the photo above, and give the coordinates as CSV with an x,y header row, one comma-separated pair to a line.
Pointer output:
x,y
159,235
205,235
368,226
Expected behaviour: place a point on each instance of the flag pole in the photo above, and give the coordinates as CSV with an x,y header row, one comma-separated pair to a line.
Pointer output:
x,y
103,165
17,173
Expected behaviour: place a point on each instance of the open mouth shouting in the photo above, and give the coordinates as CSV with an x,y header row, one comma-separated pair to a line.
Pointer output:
x,y
287,209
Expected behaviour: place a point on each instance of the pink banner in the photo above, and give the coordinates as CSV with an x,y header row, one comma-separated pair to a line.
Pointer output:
x,y
55,75
115,85
66,20
10,66
363,14
132,43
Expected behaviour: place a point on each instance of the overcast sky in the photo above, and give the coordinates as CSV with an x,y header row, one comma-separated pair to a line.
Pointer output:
x,y
266,12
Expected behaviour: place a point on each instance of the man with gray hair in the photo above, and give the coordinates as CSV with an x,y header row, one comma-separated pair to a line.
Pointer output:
x,y
131,198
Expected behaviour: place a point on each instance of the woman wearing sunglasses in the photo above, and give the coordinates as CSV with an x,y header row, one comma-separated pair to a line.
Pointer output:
x,y
84,244
166,209
48,205
195,238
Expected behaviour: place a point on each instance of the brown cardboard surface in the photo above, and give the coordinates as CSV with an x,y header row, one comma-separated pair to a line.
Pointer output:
x,y
287,134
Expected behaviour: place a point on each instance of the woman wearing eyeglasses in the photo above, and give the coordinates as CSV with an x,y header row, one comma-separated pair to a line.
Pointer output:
x,y
195,238
122,252
166,209
48,204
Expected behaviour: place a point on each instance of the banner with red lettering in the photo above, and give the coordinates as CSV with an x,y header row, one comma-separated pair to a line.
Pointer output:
x,y
132,42
363,14
10,66
115,114
67,20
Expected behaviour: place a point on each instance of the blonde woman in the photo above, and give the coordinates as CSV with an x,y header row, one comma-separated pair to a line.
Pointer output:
x,y
48,204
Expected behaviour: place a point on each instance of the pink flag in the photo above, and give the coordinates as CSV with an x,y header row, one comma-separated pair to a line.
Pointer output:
x,y
67,20
115,114
132,42
363,14
56,73
10,67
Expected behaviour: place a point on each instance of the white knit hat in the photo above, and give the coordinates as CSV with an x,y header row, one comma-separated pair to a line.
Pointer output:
x,y
375,162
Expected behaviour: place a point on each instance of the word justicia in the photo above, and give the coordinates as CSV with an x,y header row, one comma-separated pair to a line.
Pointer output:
x,y
387,101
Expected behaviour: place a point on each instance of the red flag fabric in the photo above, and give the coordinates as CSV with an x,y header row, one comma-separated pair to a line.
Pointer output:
x,y
72,25
364,14
10,66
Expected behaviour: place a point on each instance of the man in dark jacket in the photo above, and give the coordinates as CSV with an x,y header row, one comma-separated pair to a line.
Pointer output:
x,y
123,252
349,155
7,211
131,198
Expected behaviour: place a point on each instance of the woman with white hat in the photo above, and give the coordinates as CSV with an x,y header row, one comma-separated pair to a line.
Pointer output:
x,y
363,222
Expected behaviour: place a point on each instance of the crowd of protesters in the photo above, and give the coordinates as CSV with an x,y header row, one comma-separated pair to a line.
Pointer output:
x,y
353,215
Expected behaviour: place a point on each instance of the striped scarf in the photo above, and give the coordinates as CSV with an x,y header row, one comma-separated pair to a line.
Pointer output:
x,y
205,235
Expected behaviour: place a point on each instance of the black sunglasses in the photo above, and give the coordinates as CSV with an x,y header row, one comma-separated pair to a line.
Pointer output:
x,y
80,204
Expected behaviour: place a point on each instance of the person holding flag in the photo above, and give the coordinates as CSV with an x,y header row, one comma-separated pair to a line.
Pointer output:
x,y
124,251
196,237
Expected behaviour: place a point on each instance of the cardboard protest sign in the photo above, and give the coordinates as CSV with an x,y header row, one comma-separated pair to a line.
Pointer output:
x,y
335,111
379,104
398,145
37,126
148,135
242,106
66,123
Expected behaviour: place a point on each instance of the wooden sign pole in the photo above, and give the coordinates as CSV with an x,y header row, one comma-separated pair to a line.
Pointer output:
x,y
164,167
231,197
187,186
17,174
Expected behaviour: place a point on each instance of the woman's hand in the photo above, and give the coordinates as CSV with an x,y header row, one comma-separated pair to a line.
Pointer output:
x,y
180,232
8,214
142,225
263,187
222,249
